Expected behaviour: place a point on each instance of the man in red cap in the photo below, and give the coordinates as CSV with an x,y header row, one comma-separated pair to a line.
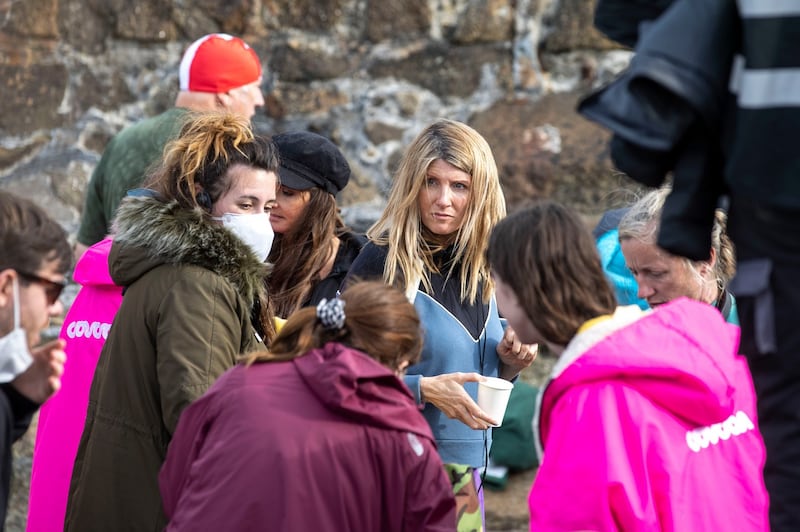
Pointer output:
x,y
217,71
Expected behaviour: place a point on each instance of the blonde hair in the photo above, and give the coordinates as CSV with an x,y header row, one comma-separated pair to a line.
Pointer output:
x,y
400,226
642,222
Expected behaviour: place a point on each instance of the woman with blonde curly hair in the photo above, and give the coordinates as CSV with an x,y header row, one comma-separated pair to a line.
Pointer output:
x,y
189,251
430,242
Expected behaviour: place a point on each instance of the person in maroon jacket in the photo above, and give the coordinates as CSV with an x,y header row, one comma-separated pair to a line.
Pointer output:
x,y
319,433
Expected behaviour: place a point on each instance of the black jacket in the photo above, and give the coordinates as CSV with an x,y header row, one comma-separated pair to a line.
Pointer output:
x,y
349,248
16,411
621,19
670,112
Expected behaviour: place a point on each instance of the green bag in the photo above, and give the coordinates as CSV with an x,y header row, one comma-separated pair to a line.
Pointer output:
x,y
512,442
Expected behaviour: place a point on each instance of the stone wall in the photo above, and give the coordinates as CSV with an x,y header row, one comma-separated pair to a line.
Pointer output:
x,y
368,74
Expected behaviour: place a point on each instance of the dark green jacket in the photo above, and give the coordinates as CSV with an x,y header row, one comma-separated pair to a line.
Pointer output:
x,y
124,165
185,317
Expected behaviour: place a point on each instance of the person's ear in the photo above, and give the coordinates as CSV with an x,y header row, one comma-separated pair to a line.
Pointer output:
x,y
7,286
201,197
707,266
401,368
224,100
712,258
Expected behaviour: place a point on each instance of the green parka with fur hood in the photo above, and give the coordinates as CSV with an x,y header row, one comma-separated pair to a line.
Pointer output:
x,y
185,317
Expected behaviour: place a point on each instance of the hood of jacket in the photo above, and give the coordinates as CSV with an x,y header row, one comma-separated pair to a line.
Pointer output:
x,y
149,232
92,267
679,357
358,387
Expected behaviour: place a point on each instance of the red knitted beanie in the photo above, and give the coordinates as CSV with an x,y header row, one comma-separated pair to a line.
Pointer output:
x,y
218,63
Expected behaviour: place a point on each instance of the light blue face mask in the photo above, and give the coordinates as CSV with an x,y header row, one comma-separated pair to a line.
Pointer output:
x,y
15,355
254,230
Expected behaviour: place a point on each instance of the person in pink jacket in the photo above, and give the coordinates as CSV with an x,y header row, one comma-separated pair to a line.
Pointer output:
x,y
648,421
62,417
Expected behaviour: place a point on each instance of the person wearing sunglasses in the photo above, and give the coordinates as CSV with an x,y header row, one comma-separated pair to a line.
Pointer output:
x,y
34,258
52,288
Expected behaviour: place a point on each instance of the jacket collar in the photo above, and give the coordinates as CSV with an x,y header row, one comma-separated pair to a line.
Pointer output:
x,y
150,232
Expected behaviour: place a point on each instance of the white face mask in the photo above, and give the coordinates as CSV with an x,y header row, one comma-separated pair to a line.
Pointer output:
x,y
252,229
15,356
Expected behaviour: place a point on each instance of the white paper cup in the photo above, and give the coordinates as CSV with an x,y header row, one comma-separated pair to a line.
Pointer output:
x,y
493,394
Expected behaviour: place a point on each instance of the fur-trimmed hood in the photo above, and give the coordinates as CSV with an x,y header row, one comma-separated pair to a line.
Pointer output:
x,y
149,232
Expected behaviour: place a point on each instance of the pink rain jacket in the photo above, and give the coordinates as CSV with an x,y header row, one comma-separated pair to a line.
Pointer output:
x,y
62,417
649,423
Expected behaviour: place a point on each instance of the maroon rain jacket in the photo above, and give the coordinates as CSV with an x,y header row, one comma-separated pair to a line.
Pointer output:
x,y
329,441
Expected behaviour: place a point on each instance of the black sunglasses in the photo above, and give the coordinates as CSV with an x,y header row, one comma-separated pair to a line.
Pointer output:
x,y
52,289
